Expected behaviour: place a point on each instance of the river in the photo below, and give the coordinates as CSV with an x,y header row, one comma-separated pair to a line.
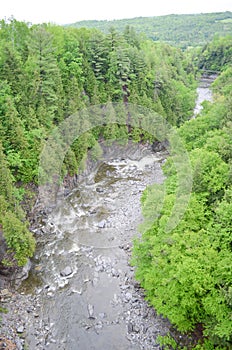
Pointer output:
x,y
89,299
81,293
204,92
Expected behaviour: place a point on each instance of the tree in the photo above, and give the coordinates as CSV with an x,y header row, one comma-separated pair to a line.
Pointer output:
x,y
46,89
211,174
6,183
19,239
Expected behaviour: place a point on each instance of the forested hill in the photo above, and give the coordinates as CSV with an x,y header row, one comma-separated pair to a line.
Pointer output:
x,y
48,73
178,30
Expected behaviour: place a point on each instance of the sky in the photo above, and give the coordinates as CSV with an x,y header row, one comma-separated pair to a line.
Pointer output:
x,y
70,11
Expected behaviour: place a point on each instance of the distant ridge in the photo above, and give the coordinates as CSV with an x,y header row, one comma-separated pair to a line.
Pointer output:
x,y
179,30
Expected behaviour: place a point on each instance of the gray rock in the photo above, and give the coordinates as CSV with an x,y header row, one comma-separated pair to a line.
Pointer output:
x,y
95,282
125,286
130,327
136,329
99,190
2,283
102,224
99,268
90,309
66,272
93,211
20,329
24,271
114,273
18,344
5,293
128,296
98,325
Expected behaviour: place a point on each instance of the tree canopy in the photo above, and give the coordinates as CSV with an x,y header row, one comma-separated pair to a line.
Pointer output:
x,y
187,273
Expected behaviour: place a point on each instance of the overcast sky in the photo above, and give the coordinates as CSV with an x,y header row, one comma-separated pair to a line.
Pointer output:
x,y
69,11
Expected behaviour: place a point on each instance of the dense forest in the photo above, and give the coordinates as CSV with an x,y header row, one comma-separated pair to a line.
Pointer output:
x,y
187,272
49,72
177,30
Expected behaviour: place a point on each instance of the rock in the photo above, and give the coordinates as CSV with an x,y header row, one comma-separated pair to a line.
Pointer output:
x,y
102,224
125,286
66,272
18,344
128,296
136,285
102,315
130,327
88,326
6,293
23,272
80,291
90,311
2,283
136,329
141,188
159,146
99,268
95,282
98,325
114,273
20,329
99,190
38,268
93,211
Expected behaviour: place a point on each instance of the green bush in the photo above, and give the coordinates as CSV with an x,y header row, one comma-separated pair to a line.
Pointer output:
x,y
19,239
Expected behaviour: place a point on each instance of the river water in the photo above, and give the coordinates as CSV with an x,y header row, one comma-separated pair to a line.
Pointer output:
x,y
204,92
81,293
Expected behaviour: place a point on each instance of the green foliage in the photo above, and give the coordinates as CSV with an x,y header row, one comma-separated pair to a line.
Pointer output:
x,y
19,239
216,55
187,273
211,173
179,30
167,342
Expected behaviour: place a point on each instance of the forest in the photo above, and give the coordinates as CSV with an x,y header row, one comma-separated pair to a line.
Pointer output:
x,y
177,30
49,72
187,272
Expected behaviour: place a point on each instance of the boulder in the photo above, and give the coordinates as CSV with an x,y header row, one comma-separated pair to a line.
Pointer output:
x,y
66,272
90,309
20,329
102,224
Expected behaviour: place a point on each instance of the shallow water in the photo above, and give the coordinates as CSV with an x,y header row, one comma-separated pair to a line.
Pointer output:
x,y
204,93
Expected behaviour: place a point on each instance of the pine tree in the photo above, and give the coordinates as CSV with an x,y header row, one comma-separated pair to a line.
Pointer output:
x,y
6,183
46,91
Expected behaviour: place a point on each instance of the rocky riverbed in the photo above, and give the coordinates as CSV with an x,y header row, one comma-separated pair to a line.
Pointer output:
x,y
81,292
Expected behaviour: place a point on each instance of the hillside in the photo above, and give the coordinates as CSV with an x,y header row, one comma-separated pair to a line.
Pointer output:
x,y
178,30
